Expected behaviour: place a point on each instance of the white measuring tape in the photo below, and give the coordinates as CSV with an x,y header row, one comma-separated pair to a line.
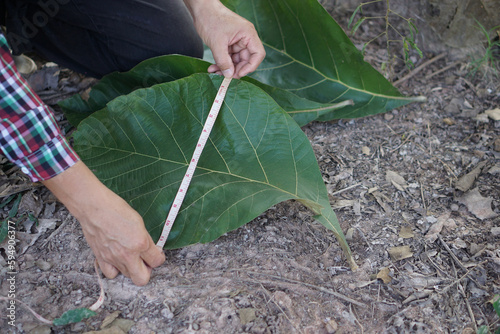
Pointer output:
x,y
207,128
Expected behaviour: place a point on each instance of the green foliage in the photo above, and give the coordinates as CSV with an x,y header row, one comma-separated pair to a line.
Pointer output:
x,y
407,40
73,316
4,225
308,54
4,230
144,125
489,61
172,67
495,302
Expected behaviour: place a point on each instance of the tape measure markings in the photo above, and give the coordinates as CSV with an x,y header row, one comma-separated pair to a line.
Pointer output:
x,y
181,193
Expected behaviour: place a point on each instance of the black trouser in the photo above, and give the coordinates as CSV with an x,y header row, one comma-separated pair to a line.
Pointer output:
x,y
96,37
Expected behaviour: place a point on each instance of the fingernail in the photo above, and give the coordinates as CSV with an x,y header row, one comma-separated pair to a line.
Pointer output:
x,y
228,73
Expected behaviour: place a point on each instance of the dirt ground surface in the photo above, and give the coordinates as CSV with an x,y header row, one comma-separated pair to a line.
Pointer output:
x,y
416,191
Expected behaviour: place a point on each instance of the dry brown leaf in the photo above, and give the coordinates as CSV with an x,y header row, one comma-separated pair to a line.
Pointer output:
x,y
400,253
448,121
30,203
331,326
110,330
494,114
406,232
381,200
383,274
28,239
478,205
466,181
437,227
247,315
397,180
483,118
343,203
109,319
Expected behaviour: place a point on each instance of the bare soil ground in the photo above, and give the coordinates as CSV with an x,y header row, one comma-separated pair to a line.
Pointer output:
x,y
416,190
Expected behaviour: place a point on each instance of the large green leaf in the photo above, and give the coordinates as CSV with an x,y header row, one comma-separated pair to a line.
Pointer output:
x,y
145,74
309,54
172,67
256,156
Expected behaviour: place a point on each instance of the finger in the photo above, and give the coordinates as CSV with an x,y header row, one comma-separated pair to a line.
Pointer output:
x,y
250,66
255,56
154,256
107,269
213,68
236,57
140,272
223,60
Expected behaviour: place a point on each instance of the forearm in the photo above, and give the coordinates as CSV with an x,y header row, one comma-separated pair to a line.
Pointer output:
x,y
74,185
199,8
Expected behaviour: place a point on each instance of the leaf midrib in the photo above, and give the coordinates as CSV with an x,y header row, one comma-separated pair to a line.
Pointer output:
x,y
403,98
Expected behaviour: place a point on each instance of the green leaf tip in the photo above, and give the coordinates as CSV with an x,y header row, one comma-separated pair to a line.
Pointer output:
x,y
73,316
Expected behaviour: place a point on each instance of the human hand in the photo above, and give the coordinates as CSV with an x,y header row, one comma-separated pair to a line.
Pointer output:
x,y
235,44
114,231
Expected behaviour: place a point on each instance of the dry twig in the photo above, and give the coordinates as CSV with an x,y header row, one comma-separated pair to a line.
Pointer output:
x,y
320,288
453,256
418,69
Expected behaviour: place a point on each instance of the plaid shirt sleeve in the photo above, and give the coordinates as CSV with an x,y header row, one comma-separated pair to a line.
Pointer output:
x,y
29,134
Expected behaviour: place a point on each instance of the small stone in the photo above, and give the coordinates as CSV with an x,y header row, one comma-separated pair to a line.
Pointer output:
x,y
349,234
454,107
43,265
495,231
496,146
167,314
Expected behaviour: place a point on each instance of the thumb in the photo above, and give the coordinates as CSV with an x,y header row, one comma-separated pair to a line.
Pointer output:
x,y
223,61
